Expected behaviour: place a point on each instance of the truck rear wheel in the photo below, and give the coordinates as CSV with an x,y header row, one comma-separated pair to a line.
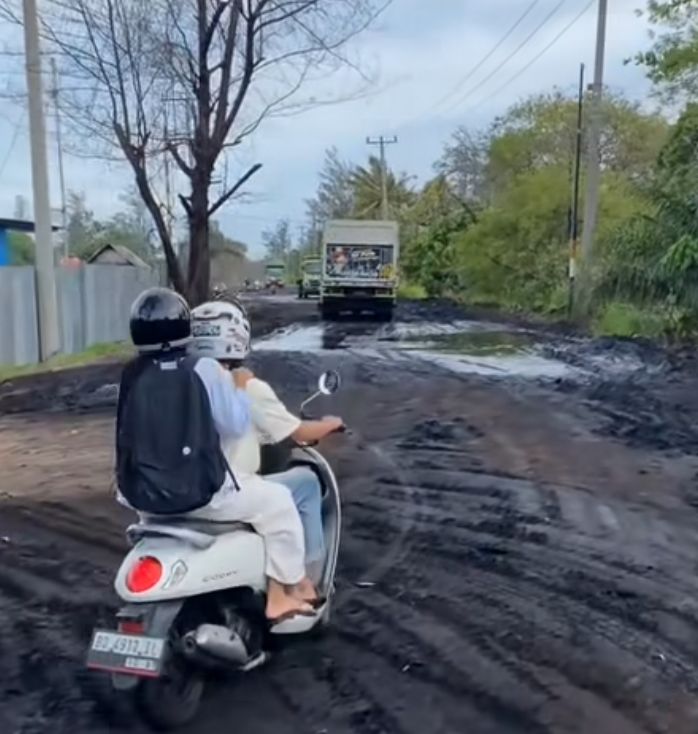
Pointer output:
x,y
328,312
384,313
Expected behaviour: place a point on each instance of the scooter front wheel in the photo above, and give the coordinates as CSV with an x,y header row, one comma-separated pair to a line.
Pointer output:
x,y
173,700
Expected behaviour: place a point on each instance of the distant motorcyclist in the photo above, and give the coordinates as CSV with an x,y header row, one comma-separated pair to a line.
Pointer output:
x,y
177,418
222,331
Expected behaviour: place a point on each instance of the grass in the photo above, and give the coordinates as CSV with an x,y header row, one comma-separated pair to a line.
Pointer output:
x,y
95,354
411,292
628,320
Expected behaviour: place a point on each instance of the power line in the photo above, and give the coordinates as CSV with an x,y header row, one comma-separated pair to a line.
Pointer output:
x,y
498,68
541,53
488,55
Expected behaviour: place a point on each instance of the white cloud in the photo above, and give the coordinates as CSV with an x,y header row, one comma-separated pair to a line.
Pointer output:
x,y
421,55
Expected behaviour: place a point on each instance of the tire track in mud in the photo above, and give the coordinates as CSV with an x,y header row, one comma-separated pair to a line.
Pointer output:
x,y
579,571
498,605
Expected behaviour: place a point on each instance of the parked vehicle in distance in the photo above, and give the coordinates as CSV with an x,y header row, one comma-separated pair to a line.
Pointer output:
x,y
311,273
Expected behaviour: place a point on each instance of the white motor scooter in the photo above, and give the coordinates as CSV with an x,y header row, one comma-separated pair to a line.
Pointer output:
x,y
195,600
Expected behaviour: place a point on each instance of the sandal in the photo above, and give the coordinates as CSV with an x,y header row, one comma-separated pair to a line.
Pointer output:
x,y
291,614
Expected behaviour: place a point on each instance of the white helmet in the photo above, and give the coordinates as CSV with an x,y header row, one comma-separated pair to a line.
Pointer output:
x,y
221,330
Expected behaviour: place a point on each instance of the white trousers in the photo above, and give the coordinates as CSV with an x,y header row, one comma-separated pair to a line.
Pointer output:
x,y
270,509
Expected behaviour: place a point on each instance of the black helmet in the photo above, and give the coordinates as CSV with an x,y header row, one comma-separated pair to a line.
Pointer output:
x,y
160,319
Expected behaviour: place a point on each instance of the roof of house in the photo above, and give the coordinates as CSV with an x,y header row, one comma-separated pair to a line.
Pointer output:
x,y
20,225
128,256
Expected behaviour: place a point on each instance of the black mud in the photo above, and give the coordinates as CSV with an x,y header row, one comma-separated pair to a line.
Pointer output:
x,y
518,556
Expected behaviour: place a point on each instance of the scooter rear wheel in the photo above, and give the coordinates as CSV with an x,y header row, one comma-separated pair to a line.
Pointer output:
x,y
170,701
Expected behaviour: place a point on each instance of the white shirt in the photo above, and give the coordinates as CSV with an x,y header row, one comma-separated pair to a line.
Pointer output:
x,y
271,423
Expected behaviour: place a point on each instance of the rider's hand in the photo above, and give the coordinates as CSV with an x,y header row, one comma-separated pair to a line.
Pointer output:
x,y
333,423
242,376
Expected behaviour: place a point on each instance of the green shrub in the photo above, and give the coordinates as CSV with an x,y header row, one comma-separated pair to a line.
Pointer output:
x,y
411,291
628,320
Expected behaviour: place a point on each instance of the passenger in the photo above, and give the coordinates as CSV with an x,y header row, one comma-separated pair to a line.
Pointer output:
x,y
176,418
222,331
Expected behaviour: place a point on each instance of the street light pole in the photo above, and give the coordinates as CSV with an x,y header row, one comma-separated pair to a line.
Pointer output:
x,y
45,265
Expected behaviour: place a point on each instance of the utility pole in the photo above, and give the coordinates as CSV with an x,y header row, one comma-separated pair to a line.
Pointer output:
x,y
574,218
45,272
382,142
591,202
61,172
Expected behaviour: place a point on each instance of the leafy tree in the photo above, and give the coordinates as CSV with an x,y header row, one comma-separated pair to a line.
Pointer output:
x,y
367,182
516,254
463,164
82,229
672,61
654,258
21,248
335,195
278,241
129,227
429,231
541,131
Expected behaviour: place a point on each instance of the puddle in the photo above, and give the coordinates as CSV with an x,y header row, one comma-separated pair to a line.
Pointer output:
x,y
488,352
464,346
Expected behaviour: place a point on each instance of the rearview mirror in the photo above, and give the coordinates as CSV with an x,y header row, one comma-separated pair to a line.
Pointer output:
x,y
329,382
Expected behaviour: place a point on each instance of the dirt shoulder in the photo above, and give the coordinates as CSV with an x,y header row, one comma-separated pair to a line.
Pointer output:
x,y
90,387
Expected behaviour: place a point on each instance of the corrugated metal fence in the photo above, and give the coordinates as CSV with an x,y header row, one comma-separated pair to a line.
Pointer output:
x,y
93,304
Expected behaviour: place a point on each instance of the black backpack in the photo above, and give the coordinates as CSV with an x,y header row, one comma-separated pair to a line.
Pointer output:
x,y
169,459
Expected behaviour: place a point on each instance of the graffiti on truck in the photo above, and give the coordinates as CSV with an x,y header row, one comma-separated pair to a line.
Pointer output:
x,y
360,261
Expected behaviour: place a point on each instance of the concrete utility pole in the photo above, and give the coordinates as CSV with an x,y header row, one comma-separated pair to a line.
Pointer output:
x,y
591,202
382,142
59,143
574,210
45,272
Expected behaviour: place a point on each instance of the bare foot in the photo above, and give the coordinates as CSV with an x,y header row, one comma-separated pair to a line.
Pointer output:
x,y
305,591
281,605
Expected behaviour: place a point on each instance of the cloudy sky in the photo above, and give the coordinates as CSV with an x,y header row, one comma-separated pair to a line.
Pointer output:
x,y
422,55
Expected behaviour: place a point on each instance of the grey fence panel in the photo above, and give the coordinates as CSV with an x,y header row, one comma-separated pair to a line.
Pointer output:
x,y
19,336
94,302
109,291
71,308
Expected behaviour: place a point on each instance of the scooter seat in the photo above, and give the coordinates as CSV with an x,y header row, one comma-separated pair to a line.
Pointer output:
x,y
207,527
199,533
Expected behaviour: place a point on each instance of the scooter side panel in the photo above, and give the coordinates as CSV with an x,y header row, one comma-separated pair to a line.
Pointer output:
x,y
234,560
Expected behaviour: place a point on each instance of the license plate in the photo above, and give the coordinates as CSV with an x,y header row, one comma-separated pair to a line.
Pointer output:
x,y
130,654
206,330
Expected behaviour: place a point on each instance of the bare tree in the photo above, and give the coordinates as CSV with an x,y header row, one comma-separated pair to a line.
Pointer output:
x,y
184,82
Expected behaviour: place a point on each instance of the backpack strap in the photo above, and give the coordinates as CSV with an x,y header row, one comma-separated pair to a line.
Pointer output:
x,y
189,362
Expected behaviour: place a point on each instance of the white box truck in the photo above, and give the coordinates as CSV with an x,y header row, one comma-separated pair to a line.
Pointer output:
x,y
359,268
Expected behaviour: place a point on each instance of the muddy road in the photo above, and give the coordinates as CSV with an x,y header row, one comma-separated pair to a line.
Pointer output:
x,y
520,551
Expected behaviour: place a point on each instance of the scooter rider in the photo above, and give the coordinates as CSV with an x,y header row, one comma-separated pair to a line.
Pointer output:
x,y
152,419
222,331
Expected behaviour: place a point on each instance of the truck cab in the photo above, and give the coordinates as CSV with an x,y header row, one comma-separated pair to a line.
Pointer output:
x,y
274,274
359,268
311,274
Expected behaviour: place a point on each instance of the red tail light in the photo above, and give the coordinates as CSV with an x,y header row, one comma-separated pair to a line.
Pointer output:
x,y
131,627
145,574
